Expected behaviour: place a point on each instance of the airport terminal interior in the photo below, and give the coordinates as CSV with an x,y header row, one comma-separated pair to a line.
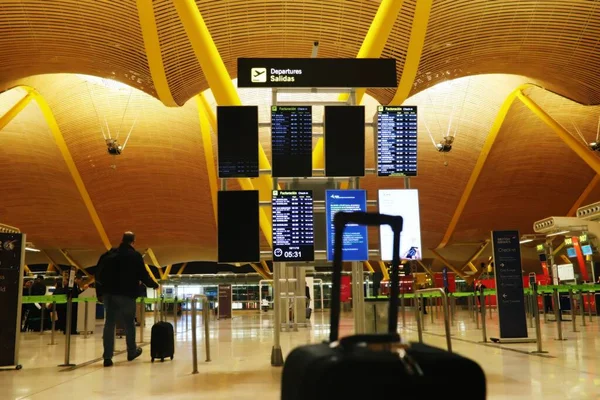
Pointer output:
x,y
227,136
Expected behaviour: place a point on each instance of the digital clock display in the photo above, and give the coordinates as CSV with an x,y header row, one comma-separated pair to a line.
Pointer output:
x,y
293,226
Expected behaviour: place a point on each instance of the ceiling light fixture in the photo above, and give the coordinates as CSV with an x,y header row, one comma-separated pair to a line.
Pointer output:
x,y
526,241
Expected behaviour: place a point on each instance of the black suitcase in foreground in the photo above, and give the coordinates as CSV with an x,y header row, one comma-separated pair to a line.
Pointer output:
x,y
375,366
162,341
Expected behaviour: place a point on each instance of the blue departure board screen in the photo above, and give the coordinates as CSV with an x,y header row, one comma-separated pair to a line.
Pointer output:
x,y
355,240
237,139
293,225
291,141
397,141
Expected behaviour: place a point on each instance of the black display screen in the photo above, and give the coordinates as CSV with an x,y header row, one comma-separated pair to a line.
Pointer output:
x,y
293,225
238,229
344,140
397,141
291,141
237,138
11,252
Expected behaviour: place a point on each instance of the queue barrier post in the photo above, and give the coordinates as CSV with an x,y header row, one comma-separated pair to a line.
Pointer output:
x,y
445,310
205,317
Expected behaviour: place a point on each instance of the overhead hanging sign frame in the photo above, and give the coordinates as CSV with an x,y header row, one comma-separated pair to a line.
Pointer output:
x,y
317,72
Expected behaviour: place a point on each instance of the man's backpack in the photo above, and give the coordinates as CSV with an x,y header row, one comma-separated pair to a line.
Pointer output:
x,y
107,272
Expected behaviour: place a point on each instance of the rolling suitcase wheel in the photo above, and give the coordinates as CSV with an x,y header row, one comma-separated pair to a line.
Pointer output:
x,y
152,359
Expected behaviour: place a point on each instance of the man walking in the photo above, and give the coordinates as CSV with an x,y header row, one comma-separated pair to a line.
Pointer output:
x,y
118,276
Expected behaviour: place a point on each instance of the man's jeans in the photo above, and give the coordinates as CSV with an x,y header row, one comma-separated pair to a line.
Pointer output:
x,y
123,308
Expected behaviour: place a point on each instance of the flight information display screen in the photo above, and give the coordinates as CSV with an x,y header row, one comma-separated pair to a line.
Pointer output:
x,y
291,141
237,139
293,225
397,141
238,229
344,140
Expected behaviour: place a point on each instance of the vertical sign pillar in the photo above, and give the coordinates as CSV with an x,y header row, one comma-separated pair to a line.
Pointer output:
x,y
509,287
12,256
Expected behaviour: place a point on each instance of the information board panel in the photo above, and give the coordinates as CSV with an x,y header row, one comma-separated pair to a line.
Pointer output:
x,y
403,202
509,284
237,139
397,141
293,225
344,140
225,301
317,72
238,227
291,141
355,246
12,254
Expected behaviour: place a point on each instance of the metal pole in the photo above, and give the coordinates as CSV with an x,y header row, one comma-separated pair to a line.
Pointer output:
x,y
418,315
403,308
67,362
483,329
590,306
444,309
431,307
194,344
529,304
422,310
476,313
446,312
573,312
175,315
322,296
142,320
54,316
452,309
42,320
536,316
582,307
206,317
85,323
557,315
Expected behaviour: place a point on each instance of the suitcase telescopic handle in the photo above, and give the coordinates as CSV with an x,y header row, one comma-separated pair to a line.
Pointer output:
x,y
340,221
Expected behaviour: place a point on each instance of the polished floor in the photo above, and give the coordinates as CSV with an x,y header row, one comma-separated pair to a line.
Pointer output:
x,y
240,366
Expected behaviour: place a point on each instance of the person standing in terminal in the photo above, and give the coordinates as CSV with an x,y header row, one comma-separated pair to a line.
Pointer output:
x,y
118,275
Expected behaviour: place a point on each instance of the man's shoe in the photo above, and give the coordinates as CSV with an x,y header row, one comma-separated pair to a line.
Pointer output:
x,y
138,352
108,362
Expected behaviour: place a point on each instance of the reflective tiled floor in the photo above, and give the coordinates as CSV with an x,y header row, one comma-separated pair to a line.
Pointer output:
x,y
240,366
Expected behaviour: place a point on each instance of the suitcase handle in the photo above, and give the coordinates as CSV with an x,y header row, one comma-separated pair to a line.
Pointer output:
x,y
340,221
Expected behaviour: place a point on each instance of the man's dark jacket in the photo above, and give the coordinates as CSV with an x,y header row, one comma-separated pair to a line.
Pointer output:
x,y
130,271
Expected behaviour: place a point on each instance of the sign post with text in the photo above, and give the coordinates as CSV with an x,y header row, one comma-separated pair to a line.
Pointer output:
x,y
12,256
509,285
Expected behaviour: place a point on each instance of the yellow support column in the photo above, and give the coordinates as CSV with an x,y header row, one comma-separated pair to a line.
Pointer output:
x,y
415,49
16,109
485,151
66,154
167,271
153,258
372,47
181,269
225,93
260,271
591,186
151,273
153,52
368,265
579,148
447,264
68,257
469,263
384,271
265,266
207,144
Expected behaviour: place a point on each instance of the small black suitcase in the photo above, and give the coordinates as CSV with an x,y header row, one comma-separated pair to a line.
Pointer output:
x,y
162,338
375,366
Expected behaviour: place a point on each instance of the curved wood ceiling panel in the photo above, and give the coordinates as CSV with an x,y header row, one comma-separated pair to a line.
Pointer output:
x,y
101,38
554,42
530,175
38,194
158,188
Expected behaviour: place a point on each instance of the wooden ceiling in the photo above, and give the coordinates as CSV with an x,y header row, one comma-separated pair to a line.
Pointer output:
x,y
159,187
